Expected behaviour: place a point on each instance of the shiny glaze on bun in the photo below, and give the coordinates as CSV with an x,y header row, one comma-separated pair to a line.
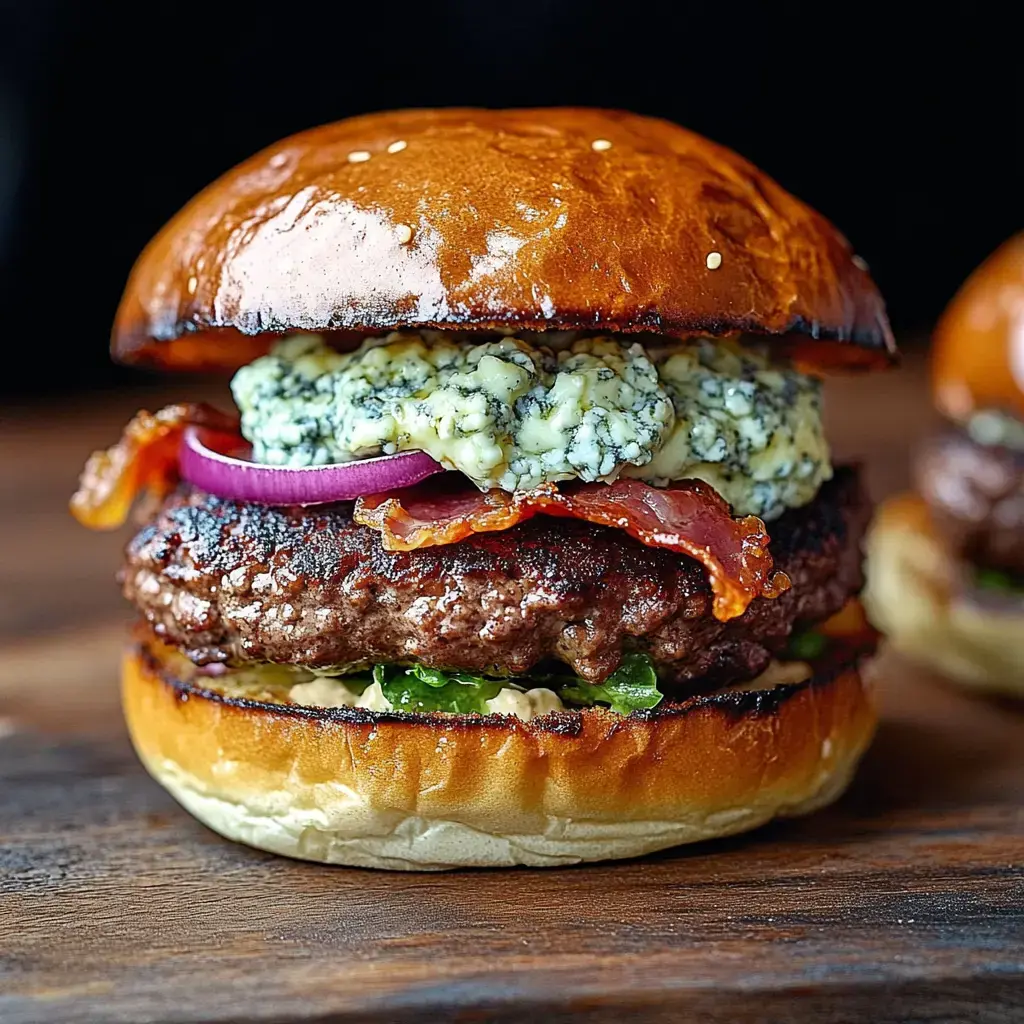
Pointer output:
x,y
474,220
978,351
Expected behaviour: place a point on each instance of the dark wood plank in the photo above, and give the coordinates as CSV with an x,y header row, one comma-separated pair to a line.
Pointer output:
x,y
905,902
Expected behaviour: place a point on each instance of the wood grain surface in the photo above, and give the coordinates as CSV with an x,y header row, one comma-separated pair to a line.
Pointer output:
x,y
904,902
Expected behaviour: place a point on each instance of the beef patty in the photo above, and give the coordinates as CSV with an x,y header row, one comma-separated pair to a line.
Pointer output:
x,y
976,495
231,582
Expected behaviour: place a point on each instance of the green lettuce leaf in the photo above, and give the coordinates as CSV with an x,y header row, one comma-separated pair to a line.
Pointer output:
x,y
994,579
418,688
806,646
632,686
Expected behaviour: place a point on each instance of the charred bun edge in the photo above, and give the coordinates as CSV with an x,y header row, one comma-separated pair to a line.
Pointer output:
x,y
567,722
201,349
181,342
436,791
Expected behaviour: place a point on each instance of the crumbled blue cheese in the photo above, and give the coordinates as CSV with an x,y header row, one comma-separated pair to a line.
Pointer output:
x,y
994,428
751,430
506,413
514,413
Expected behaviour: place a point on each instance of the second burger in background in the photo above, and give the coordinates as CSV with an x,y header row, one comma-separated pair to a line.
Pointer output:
x,y
946,566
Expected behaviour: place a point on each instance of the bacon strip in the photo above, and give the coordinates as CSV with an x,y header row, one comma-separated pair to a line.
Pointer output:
x,y
690,518
145,459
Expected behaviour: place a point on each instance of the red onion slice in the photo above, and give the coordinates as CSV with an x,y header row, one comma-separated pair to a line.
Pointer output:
x,y
230,477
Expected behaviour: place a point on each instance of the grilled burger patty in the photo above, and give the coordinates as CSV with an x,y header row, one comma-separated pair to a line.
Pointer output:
x,y
976,495
234,583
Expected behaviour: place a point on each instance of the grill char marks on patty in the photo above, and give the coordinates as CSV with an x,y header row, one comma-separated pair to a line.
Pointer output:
x,y
230,582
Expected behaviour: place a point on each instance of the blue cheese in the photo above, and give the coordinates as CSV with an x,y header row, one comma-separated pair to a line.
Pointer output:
x,y
751,430
992,427
514,413
507,413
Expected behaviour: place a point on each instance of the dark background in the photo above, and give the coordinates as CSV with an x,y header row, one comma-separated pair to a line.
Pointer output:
x,y
901,125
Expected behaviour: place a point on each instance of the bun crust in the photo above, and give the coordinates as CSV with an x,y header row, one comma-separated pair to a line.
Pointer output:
x,y
978,349
472,219
916,596
428,792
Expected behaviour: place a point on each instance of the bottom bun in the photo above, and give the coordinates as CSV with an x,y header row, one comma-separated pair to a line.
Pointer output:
x,y
915,594
435,791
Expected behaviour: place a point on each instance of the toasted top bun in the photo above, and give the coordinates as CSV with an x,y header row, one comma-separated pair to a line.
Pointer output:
x,y
476,220
978,351
431,791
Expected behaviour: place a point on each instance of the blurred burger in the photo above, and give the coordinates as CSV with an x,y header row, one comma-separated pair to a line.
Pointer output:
x,y
947,563
479,573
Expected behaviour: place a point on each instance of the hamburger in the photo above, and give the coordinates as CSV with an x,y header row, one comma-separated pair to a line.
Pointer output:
x,y
523,544
946,568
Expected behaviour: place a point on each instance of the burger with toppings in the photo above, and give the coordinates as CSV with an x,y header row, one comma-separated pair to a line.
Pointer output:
x,y
947,562
523,544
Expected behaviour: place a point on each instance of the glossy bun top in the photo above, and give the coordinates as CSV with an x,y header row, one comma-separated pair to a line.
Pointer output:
x,y
477,219
978,352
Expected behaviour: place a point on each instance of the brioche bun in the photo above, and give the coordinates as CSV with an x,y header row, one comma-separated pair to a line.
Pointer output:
x,y
917,596
435,791
978,347
474,220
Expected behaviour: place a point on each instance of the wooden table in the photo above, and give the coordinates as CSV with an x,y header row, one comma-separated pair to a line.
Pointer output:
x,y
905,902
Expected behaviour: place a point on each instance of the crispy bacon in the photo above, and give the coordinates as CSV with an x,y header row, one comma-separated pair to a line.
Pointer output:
x,y
690,518
145,459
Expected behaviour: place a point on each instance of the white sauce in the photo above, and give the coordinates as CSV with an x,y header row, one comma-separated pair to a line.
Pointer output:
x,y
525,704
329,692
326,692
265,682
778,673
